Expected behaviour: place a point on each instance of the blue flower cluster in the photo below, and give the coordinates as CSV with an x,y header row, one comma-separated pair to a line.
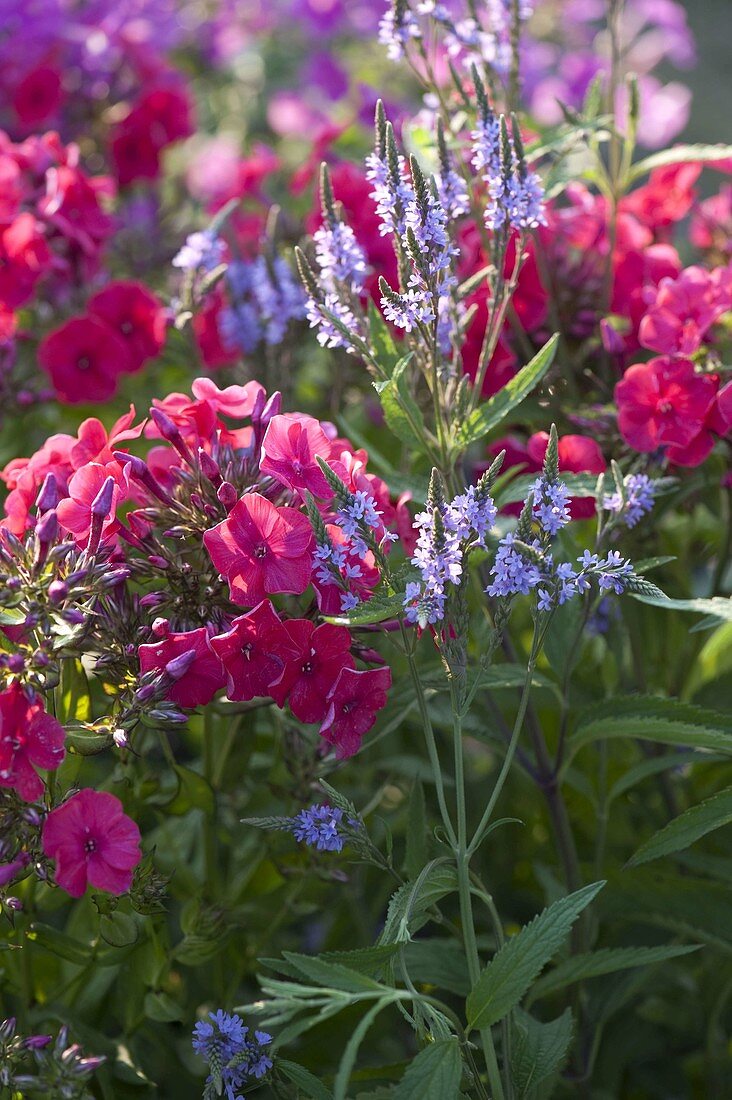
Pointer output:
x,y
519,568
318,828
397,26
340,256
201,252
551,505
443,541
264,299
231,1051
639,493
516,195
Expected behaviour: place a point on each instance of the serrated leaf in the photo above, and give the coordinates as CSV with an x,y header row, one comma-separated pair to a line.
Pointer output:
x,y
538,1050
309,1085
438,962
650,718
376,610
401,411
509,975
679,154
687,828
331,975
717,608
608,960
408,905
433,1075
492,412
364,960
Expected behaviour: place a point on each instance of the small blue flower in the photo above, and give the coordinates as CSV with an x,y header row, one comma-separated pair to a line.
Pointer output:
x,y
201,251
318,827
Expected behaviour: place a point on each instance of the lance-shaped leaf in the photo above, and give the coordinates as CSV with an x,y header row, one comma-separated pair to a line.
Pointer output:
x,y
687,828
509,975
433,1075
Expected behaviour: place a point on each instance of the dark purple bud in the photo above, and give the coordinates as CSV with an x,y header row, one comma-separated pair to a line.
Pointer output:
x,y
227,494
169,431
612,341
175,533
37,1042
259,402
142,472
58,591
211,512
196,500
161,627
16,662
158,562
102,503
15,904
48,496
178,667
115,577
170,715
88,1065
209,468
71,1054
7,1029
32,817
74,616
39,659
146,692
47,528
62,1038
13,584
272,408
152,599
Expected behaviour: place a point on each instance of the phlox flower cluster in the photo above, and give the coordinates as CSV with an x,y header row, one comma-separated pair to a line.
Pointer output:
x,y
234,1054
164,572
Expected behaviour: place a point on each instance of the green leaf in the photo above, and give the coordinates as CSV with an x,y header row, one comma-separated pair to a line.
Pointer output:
x,y
683,904
309,1086
655,764
163,1008
351,1051
73,699
509,975
687,828
606,961
679,154
376,610
194,792
651,718
409,904
718,608
87,741
119,929
330,974
386,352
401,411
492,412
438,962
416,855
58,943
434,1074
539,1049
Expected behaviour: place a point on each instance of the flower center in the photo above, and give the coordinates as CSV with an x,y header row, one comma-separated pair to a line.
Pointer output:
x,y
84,362
261,551
307,667
665,406
90,845
126,328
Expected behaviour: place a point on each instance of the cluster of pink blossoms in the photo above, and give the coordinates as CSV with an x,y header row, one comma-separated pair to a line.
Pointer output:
x,y
178,574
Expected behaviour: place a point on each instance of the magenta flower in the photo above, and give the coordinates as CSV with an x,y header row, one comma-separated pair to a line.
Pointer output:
x,y
290,449
93,842
261,549
254,654
322,651
203,679
29,739
75,511
353,703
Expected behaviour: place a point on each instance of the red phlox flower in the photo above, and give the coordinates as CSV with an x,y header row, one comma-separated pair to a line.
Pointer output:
x,y
254,653
214,352
93,842
683,310
666,198
353,703
205,676
136,315
84,358
12,189
261,549
29,739
635,276
94,444
711,224
74,511
72,206
38,96
163,115
307,678
237,401
24,477
24,259
663,402
290,448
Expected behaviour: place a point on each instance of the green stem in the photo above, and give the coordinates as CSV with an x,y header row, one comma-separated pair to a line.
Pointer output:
x,y
462,857
513,743
429,734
